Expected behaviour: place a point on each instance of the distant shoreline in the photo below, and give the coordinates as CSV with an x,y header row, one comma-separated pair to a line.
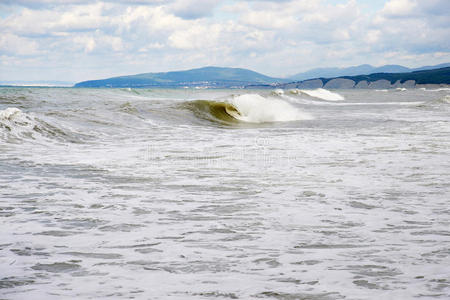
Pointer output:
x,y
232,78
216,78
262,87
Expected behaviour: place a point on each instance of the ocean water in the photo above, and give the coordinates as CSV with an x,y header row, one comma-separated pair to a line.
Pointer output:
x,y
224,194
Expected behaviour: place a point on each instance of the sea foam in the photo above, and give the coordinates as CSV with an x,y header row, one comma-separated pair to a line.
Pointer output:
x,y
254,108
323,94
19,125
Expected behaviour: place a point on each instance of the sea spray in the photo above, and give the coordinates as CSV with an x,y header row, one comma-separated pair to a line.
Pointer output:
x,y
254,108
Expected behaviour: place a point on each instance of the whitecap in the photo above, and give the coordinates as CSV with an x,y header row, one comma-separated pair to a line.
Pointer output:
x,y
445,99
437,90
17,124
323,94
254,108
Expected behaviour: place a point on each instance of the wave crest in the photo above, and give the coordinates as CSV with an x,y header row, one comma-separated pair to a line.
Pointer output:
x,y
248,108
445,99
17,125
320,93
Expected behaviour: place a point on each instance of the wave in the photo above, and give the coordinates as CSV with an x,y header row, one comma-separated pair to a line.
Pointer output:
x,y
435,90
211,110
436,103
395,103
248,108
17,125
445,99
320,93
127,107
277,92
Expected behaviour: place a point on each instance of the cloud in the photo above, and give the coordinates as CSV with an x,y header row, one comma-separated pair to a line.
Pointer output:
x,y
195,37
193,9
396,8
96,42
15,45
413,26
274,37
38,4
48,22
416,8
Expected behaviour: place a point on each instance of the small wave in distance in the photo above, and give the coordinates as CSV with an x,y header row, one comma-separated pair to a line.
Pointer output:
x,y
321,94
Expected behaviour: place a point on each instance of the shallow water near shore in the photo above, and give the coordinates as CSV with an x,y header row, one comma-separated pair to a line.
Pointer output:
x,y
224,194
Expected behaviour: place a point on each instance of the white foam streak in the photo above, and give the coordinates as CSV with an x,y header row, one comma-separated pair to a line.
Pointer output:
x,y
435,90
414,103
323,94
254,108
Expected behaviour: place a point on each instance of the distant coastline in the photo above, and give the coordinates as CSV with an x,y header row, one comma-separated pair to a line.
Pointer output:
x,y
237,78
427,78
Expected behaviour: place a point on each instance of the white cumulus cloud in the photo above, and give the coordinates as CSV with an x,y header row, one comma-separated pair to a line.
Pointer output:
x,y
112,37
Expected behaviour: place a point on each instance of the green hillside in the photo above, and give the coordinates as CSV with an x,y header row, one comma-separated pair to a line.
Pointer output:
x,y
207,77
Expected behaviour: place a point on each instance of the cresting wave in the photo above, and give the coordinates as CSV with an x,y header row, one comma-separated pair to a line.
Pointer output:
x,y
445,99
249,108
320,93
17,125
435,90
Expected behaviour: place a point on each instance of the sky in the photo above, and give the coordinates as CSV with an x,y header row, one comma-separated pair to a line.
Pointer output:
x,y
76,40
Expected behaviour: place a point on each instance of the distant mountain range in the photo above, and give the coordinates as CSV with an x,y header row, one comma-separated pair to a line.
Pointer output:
x,y
212,77
359,70
216,77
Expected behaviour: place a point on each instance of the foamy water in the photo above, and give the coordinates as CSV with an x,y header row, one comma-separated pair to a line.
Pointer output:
x,y
322,94
162,194
254,108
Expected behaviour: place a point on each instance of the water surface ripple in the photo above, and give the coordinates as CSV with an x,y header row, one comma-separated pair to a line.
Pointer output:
x,y
137,194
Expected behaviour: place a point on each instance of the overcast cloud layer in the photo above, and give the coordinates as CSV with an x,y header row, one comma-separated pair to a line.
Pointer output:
x,y
75,40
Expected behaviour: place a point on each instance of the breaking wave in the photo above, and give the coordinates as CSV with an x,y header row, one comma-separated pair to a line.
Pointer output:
x,y
248,108
320,93
435,90
17,125
445,99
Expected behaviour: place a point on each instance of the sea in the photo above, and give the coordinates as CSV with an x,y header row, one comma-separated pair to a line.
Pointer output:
x,y
224,194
